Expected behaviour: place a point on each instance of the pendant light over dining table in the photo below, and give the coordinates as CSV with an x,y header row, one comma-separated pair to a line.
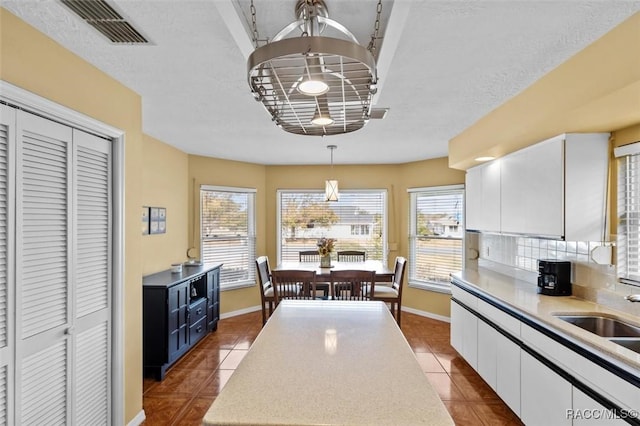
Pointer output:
x,y
331,185
312,84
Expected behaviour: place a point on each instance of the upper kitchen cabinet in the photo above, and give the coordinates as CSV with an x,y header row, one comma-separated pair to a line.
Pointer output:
x,y
482,203
554,189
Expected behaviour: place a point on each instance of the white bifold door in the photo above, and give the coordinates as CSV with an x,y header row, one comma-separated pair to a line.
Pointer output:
x,y
55,273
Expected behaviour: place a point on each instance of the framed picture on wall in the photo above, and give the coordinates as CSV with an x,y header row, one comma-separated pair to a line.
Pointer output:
x,y
157,220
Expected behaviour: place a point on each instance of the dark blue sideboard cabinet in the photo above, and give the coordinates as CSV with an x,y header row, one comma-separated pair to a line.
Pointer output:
x,y
178,310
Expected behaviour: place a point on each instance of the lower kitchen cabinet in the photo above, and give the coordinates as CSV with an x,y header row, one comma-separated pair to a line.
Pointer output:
x,y
542,380
178,311
464,334
545,395
587,411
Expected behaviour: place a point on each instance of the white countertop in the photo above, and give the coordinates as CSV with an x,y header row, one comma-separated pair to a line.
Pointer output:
x,y
329,363
523,298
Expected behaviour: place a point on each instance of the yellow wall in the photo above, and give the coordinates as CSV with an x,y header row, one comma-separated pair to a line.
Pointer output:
x,y
34,62
165,183
596,90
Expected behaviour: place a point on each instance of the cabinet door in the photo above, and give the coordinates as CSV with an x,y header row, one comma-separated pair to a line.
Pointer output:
x,y
178,300
532,190
545,396
508,372
588,412
482,191
464,334
487,353
213,296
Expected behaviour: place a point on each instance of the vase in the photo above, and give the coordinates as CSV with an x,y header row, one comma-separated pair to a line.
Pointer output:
x,y
325,261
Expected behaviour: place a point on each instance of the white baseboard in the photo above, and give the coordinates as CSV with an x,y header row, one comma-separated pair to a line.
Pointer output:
x,y
240,312
426,314
138,419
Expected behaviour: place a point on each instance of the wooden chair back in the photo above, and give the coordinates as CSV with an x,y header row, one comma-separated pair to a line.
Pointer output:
x,y
309,256
267,295
294,284
352,256
352,284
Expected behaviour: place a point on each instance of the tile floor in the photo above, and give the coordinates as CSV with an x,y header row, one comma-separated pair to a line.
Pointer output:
x,y
190,387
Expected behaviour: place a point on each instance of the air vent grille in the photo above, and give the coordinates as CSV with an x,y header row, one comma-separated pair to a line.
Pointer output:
x,y
104,18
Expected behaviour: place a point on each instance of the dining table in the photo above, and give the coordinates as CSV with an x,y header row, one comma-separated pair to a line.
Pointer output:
x,y
383,273
329,362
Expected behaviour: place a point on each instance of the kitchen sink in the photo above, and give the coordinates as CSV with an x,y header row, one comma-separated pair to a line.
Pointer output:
x,y
602,326
632,344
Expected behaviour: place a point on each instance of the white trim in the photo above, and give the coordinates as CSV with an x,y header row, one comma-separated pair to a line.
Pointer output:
x,y
241,312
624,150
226,188
431,286
427,314
32,102
437,188
138,419
237,285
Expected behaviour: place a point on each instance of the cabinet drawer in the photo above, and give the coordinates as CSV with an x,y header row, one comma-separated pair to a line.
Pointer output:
x,y
197,311
197,331
500,318
464,296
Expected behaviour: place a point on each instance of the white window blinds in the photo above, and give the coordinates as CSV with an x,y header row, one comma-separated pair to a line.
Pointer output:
x,y
357,221
436,234
228,233
629,213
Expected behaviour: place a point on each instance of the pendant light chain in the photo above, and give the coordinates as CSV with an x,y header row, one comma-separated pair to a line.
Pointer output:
x,y
376,29
253,23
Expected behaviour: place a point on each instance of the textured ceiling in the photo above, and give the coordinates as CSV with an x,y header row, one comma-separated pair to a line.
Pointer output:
x,y
442,65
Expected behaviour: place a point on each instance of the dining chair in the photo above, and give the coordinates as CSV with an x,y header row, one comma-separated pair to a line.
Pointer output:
x,y
351,284
267,294
392,294
294,284
309,256
352,256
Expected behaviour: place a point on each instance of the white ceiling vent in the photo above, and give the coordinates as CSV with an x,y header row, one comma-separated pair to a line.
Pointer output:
x,y
104,18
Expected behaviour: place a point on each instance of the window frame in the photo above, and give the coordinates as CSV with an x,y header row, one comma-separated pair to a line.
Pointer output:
x,y
412,235
251,233
623,153
385,214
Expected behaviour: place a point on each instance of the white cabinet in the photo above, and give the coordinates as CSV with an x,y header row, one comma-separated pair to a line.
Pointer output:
x,y
546,397
482,184
556,188
588,412
464,334
499,364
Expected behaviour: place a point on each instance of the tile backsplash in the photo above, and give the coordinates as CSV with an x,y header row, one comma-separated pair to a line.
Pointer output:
x,y
518,256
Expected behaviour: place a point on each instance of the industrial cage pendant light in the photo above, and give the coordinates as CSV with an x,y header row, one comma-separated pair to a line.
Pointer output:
x,y
311,84
331,185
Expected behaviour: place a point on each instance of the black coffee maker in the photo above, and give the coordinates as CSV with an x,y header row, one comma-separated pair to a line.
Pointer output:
x,y
554,277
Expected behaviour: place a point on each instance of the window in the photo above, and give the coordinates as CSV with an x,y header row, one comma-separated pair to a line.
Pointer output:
x,y
228,233
358,221
629,213
435,236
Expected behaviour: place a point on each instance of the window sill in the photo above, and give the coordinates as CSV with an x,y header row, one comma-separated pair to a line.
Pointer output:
x,y
431,286
237,285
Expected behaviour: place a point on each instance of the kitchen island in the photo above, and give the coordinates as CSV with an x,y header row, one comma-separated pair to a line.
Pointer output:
x,y
329,362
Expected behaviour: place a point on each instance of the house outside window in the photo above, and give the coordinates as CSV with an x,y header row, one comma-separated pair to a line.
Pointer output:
x,y
628,241
436,236
227,230
358,221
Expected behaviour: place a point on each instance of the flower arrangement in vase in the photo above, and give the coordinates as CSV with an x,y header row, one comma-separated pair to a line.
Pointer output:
x,y
325,247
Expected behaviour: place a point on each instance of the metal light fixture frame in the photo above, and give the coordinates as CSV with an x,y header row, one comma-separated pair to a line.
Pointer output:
x,y
276,69
331,185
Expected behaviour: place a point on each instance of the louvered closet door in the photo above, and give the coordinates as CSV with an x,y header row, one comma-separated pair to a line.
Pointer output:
x,y
92,277
7,133
62,275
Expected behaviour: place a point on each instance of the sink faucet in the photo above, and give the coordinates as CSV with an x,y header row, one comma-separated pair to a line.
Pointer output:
x,y
633,298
